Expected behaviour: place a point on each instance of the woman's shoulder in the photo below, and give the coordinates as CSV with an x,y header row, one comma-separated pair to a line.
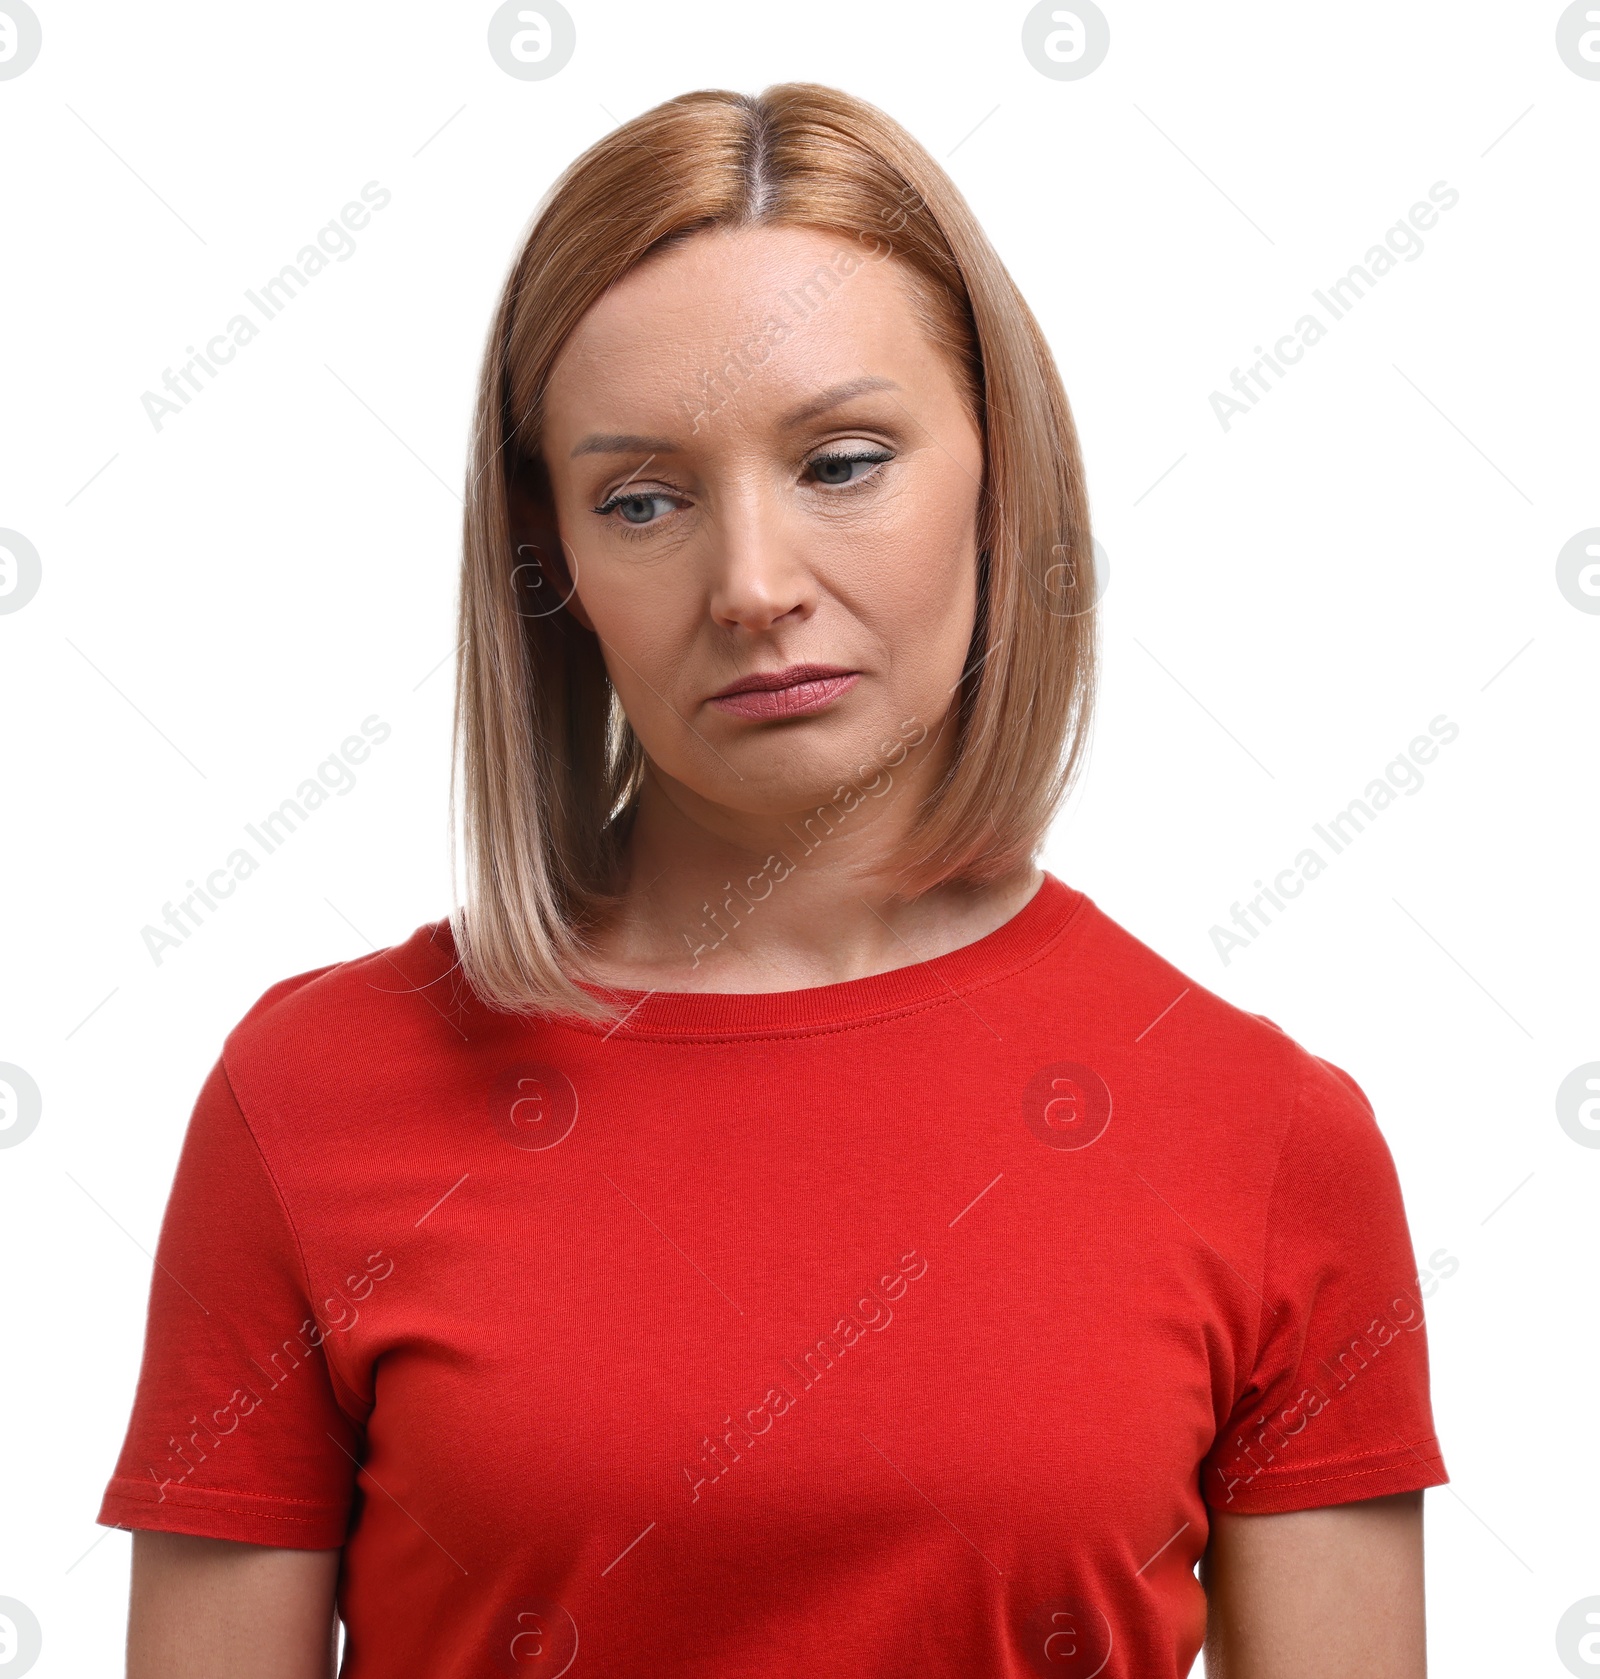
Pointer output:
x,y
1236,1062
342,1029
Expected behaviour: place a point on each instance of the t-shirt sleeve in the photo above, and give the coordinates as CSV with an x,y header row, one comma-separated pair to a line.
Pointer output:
x,y
1336,1406
236,1431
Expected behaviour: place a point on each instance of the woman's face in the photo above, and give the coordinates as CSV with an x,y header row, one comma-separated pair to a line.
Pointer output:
x,y
763,469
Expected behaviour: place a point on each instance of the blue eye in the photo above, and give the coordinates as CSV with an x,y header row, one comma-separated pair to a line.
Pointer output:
x,y
837,471
636,509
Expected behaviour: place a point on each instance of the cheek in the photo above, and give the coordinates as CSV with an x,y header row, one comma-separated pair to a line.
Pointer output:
x,y
917,574
645,620
633,592
935,593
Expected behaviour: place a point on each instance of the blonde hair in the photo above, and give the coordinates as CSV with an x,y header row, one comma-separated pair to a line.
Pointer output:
x,y
547,765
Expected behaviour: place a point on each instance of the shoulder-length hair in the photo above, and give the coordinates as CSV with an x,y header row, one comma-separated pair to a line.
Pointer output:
x,y
547,768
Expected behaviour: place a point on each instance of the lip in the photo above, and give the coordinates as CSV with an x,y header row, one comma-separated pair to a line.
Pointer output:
x,y
796,691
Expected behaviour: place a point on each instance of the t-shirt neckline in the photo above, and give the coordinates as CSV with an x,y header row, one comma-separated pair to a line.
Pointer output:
x,y
855,1002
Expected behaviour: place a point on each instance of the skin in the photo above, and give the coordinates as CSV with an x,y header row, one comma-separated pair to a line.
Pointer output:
x,y
738,552
1317,1594
213,1609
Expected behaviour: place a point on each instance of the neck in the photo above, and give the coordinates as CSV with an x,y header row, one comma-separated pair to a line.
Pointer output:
x,y
721,900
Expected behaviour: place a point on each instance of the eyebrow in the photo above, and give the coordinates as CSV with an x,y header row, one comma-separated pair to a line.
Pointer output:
x,y
627,443
834,397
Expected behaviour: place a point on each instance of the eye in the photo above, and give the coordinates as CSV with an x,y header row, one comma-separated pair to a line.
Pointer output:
x,y
839,471
637,507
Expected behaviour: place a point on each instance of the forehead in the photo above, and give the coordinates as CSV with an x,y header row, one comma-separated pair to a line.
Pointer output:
x,y
776,312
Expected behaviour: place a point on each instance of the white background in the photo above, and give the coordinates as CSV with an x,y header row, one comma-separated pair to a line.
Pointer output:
x,y
1372,546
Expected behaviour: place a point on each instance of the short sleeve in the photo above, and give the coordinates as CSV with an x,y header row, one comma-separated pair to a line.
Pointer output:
x,y
236,1431
1336,1405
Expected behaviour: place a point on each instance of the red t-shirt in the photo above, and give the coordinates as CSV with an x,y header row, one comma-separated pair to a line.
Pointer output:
x,y
906,1326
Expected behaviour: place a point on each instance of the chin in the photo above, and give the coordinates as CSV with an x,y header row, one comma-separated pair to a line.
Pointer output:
x,y
812,767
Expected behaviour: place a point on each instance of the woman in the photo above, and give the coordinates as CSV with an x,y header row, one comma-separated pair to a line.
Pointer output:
x,y
773,1227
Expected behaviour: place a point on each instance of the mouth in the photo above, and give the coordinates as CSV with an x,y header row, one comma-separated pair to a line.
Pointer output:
x,y
798,691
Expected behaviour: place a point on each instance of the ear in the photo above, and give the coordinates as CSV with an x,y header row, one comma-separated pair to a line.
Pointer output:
x,y
543,577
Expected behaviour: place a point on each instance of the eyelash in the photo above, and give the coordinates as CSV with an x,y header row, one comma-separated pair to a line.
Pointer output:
x,y
611,503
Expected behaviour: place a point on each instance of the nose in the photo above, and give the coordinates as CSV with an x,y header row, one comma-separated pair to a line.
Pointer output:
x,y
759,579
